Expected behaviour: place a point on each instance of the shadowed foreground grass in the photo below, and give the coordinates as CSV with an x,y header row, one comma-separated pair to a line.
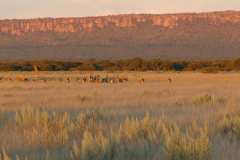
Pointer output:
x,y
32,133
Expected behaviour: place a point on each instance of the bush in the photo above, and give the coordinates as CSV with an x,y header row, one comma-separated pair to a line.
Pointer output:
x,y
230,126
190,146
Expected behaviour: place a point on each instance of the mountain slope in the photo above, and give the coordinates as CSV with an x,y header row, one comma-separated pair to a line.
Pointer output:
x,y
191,35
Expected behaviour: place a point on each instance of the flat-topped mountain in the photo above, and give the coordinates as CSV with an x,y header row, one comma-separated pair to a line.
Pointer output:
x,y
188,35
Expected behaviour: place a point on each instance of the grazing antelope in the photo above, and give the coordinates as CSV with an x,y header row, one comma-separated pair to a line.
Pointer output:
x,y
84,80
98,78
91,78
20,79
120,80
26,79
142,80
125,79
112,80
104,80
169,80
68,79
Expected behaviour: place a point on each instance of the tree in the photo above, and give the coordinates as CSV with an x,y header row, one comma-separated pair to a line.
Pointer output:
x,y
237,64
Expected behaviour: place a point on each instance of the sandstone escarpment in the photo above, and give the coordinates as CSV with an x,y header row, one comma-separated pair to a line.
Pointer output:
x,y
73,25
204,35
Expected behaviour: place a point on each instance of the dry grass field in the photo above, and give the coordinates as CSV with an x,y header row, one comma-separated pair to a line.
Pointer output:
x,y
195,117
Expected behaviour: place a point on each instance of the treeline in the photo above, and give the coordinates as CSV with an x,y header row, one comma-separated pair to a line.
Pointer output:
x,y
136,64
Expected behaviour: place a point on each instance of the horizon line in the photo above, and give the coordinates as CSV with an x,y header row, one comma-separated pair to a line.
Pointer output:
x,y
122,14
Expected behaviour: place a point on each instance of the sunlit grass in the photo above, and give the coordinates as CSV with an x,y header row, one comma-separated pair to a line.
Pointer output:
x,y
151,121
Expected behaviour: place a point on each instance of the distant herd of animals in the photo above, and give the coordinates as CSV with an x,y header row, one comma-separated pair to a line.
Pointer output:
x,y
80,79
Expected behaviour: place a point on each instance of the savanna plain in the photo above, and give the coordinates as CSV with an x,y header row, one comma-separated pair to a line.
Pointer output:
x,y
152,116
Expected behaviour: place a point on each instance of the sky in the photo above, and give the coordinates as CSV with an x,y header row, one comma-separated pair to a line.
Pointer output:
x,y
79,8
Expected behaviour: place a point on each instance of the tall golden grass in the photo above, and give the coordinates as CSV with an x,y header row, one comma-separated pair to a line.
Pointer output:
x,y
90,135
194,118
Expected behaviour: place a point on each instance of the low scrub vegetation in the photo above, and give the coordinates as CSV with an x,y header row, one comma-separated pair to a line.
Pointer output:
x,y
135,64
208,100
231,126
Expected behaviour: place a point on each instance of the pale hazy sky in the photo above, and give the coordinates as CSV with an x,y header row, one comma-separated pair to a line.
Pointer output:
x,y
75,8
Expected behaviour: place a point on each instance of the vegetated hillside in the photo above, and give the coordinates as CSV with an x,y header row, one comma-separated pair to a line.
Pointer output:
x,y
191,35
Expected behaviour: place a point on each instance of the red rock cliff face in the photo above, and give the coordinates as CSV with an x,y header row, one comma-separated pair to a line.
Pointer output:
x,y
73,25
